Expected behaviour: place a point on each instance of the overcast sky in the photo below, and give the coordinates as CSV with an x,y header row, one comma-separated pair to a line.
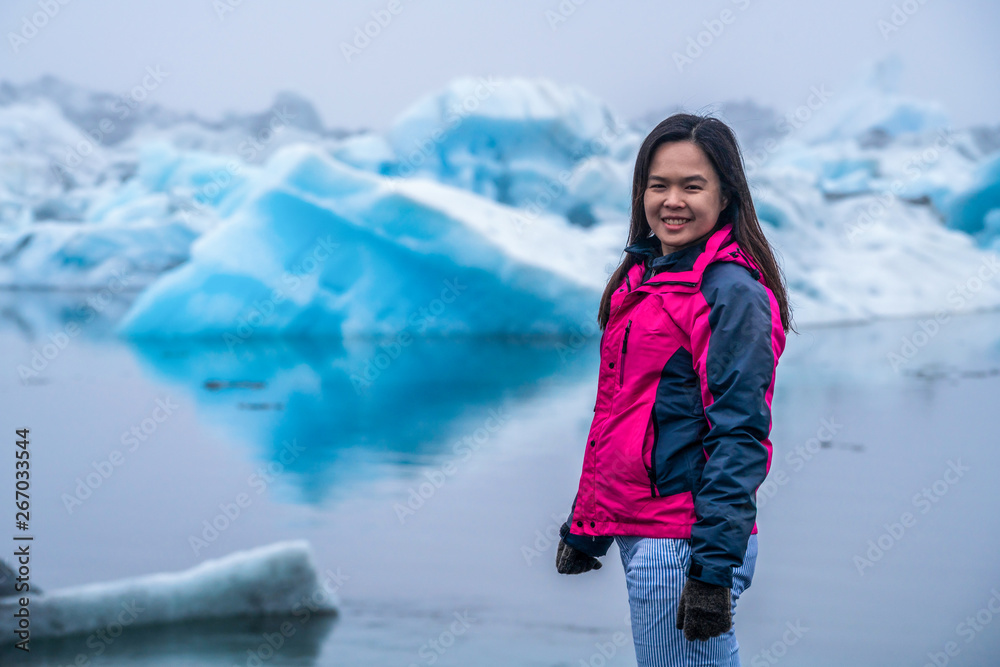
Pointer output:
x,y
623,51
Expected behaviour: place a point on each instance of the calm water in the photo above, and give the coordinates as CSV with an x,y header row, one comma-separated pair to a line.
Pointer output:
x,y
478,546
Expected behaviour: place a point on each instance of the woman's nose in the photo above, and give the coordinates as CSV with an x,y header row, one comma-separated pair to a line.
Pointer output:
x,y
672,199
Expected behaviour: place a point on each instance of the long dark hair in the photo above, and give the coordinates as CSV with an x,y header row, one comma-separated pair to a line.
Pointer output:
x,y
719,143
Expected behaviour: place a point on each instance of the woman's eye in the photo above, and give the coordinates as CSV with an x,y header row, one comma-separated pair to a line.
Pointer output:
x,y
694,187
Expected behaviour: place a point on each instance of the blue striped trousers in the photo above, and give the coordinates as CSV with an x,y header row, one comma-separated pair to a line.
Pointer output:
x,y
655,573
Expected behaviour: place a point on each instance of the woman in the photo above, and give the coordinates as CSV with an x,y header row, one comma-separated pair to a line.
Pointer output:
x,y
694,320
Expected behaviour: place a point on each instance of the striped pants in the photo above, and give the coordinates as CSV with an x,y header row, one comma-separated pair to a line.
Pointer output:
x,y
655,573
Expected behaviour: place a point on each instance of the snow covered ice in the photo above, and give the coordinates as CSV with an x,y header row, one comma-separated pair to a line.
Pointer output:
x,y
493,206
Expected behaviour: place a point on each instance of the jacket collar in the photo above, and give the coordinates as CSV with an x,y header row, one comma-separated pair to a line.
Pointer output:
x,y
685,266
650,250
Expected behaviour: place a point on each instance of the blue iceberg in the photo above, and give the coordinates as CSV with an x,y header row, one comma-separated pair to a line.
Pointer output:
x,y
323,249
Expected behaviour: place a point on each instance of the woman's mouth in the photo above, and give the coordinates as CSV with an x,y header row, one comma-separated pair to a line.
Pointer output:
x,y
675,222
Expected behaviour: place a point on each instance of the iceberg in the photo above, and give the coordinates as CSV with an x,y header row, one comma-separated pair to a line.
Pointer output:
x,y
520,142
491,206
870,255
322,248
275,579
82,168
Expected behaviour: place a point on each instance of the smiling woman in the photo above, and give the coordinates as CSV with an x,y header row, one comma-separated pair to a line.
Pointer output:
x,y
680,443
683,196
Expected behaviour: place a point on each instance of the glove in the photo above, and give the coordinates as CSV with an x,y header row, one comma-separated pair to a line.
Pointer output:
x,y
704,611
574,561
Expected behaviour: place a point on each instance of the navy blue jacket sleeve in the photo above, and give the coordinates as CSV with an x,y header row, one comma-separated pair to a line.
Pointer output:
x,y
591,545
735,359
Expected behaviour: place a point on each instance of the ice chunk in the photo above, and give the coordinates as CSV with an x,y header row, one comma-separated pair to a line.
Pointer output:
x,y
273,579
974,210
115,258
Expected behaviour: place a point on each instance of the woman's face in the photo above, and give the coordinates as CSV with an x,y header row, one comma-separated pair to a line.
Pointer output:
x,y
683,196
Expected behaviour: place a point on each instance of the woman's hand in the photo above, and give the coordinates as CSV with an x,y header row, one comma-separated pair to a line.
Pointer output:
x,y
704,611
574,561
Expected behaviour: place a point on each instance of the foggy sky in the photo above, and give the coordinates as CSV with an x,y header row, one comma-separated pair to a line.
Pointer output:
x,y
623,52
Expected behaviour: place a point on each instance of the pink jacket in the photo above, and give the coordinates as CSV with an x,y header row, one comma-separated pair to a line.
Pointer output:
x,y
679,441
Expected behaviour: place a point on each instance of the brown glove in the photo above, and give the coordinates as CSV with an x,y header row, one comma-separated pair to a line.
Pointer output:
x,y
704,611
574,561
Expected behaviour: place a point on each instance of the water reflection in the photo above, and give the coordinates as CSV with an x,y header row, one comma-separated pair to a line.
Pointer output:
x,y
234,641
335,412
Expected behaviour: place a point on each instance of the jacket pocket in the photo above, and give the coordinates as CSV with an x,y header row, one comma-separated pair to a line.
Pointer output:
x,y
621,356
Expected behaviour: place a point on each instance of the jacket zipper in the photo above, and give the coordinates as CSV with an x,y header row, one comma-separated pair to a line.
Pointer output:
x,y
621,364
